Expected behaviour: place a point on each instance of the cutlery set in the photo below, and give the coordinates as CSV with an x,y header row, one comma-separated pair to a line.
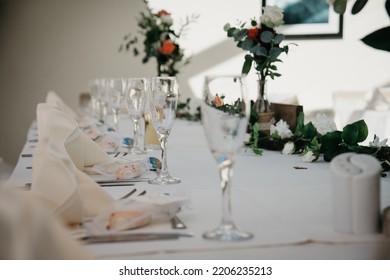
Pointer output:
x,y
87,237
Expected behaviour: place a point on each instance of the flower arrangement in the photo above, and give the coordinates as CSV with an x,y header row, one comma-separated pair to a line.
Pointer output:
x,y
320,137
378,39
161,41
263,45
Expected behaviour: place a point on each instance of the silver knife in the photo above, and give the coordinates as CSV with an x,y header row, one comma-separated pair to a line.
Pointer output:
x,y
105,238
108,181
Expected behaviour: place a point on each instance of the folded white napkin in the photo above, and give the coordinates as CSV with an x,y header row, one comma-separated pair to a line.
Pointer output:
x,y
61,154
55,101
29,231
81,149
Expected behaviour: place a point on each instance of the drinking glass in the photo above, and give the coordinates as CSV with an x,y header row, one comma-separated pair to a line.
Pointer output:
x,y
135,98
225,111
99,102
116,91
163,97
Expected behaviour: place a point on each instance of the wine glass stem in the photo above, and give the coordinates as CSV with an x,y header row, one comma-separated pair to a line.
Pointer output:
x,y
116,119
135,127
226,172
164,165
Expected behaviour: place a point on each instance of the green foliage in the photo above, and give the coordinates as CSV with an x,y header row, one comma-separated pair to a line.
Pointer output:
x,y
160,41
378,39
263,48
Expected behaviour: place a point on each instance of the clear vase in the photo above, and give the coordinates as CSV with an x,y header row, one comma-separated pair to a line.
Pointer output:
x,y
262,104
262,107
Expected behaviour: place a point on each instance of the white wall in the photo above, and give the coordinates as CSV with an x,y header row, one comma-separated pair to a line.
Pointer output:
x,y
61,44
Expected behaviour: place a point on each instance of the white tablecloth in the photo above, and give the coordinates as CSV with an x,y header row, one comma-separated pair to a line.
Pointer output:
x,y
288,210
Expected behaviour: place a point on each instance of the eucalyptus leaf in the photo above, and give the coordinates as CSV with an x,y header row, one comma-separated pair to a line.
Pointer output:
x,y
266,36
379,39
279,38
238,36
247,44
275,52
358,6
231,31
340,6
247,64
261,51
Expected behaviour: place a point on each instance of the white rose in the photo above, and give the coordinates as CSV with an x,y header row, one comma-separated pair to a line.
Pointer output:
x,y
324,124
309,156
376,143
166,19
289,148
281,129
272,16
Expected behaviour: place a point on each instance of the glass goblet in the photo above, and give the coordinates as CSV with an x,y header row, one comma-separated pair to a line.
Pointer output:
x,y
135,98
116,91
225,110
163,97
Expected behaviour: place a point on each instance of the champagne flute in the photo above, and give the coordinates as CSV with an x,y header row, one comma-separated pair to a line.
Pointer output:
x,y
116,91
135,96
225,111
163,97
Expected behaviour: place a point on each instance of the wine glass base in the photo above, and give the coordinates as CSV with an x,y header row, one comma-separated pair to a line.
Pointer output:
x,y
227,233
137,151
166,180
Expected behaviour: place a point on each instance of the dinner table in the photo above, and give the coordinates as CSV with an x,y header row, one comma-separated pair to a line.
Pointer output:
x,y
285,202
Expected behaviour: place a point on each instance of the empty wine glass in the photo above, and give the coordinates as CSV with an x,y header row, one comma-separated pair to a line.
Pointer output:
x,y
135,98
116,91
163,97
225,111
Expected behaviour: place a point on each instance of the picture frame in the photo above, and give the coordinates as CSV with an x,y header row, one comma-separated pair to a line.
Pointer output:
x,y
304,19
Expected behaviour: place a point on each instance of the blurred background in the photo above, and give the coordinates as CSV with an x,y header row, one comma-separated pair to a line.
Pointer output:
x,y
60,45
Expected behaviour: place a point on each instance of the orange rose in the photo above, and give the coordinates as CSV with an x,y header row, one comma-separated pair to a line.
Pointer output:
x,y
167,47
253,33
218,101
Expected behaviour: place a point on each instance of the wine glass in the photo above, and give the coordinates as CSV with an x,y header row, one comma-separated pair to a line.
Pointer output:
x,y
135,98
116,91
163,97
225,111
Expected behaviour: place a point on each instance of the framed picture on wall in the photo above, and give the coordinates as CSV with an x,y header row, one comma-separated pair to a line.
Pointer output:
x,y
308,19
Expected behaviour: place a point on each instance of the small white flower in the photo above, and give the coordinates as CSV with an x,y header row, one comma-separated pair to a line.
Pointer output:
x,y
247,137
272,16
281,129
376,143
289,148
324,124
309,156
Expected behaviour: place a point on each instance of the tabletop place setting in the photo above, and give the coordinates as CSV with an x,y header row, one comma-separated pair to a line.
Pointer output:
x,y
142,171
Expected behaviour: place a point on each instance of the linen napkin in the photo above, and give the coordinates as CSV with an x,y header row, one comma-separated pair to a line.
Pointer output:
x,y
82,149
63,150
54,100
29,231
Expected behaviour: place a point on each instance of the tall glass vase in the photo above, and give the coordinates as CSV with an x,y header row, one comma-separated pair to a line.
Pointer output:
x,y
262,107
